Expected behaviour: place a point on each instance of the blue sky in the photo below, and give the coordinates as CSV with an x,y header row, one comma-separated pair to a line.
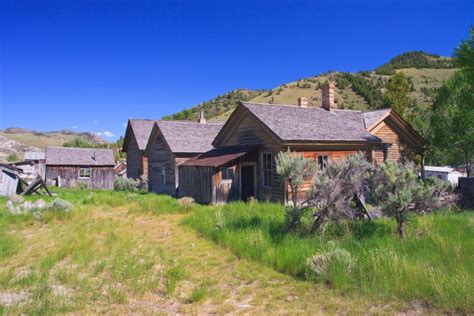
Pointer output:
x,y
90,65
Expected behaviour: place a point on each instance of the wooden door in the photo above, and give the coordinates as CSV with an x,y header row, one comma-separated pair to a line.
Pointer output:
x,y
247,182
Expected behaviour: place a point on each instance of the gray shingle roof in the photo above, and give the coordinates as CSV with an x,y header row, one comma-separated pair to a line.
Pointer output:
x,y
69,156
34,155
189,137
292,123
142,130
371,117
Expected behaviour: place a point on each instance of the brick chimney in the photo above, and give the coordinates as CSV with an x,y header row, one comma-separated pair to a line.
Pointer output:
x,y
202,119
328,96
302,102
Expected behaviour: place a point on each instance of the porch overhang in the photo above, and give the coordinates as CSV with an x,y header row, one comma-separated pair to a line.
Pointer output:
x,y
218,156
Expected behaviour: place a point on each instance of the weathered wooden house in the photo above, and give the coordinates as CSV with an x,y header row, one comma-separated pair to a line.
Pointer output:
x,y
136,139
242,164
172,143
67,167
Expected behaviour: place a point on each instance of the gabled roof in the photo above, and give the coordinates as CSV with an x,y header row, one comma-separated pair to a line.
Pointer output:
x,y
141,129
70,156
372,117
188,137
309,124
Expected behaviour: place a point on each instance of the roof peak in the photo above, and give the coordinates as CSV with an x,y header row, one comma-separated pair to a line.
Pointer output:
x,y
79,148
191,122
299,107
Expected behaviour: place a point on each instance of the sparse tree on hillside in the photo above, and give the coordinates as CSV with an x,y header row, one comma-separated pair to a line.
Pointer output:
x,y
396,95
80,143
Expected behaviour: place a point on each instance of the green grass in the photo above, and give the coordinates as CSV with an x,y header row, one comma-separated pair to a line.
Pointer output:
x,y
433,264
116,248
94,258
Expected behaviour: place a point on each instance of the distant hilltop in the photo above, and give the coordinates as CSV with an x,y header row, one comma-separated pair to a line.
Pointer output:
x,y
18,140
360,90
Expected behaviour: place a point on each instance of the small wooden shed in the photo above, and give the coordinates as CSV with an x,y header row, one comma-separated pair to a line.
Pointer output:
x,y
67,167
9,180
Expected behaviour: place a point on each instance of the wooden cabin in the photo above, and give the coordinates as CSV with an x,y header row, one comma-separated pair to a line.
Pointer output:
x,y
68,166
242,165
136,139
172,143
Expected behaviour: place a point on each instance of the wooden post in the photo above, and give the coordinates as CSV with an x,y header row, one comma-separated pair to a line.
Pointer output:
x,y
422,171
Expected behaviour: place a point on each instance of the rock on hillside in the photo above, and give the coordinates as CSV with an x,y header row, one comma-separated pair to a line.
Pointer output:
x,y
8,147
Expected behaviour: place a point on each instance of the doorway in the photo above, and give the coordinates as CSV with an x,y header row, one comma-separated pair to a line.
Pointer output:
x,y
247,181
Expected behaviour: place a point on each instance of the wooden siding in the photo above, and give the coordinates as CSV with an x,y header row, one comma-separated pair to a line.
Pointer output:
x,y
399,150
100,177
8,182
249,131
313,155
159,157
134,159
198,183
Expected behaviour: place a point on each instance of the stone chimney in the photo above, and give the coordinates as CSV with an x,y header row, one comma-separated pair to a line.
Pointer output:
x,y
328,96
302,102
202,118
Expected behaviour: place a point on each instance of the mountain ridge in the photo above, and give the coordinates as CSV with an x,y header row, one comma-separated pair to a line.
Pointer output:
x,y
361,90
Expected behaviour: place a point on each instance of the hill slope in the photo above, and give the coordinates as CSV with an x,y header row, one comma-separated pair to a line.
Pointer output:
x,y
19,140
361,91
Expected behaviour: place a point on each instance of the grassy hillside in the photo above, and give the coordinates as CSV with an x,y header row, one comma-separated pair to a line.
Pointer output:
x,y
362,90
25,139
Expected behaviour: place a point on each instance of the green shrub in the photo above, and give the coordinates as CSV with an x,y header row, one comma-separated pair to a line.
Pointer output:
x,y
126,184
331,265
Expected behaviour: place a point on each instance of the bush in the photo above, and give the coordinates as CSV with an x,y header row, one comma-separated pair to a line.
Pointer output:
x,y
13,157
61,205
185,202
126,184
18,206
395,187
335,187
81,185
331,264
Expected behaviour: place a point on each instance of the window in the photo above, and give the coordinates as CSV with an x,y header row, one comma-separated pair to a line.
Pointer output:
x,y
84,173
163,175
322,161
227,174
267,169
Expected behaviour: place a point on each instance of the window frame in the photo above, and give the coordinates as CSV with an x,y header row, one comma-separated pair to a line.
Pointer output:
x,y
267,170
225,171
162,175
82,177
324,160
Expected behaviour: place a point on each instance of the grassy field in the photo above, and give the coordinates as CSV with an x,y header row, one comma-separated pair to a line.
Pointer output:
x,y
141,253
432,265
